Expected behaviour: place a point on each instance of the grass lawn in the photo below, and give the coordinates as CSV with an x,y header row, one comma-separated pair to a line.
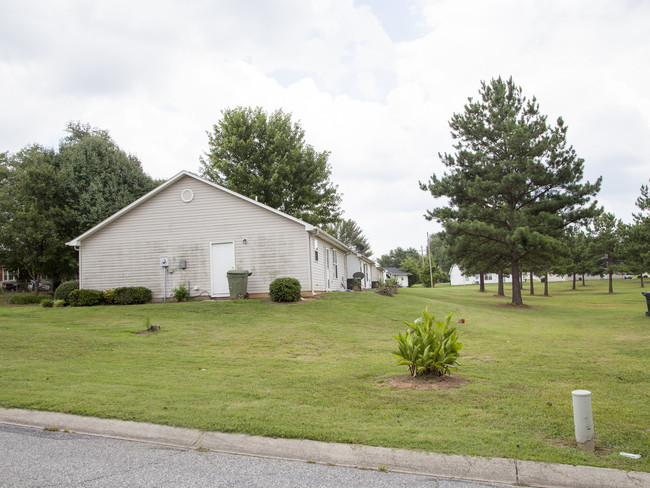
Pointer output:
x,y
318,369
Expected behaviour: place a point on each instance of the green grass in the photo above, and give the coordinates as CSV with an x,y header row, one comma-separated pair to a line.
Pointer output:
x,y
318,369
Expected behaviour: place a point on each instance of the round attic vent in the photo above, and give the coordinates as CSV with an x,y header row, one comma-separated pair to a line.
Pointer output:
x,y
187,195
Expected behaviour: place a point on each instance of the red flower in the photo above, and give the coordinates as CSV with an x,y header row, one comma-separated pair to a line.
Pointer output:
x,y
462,321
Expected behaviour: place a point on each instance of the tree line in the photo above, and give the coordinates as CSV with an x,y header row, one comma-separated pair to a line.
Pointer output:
x,y
517,202
49,196
515,197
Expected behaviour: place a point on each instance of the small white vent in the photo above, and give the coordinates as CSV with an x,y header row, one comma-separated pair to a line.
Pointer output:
x,y
187,195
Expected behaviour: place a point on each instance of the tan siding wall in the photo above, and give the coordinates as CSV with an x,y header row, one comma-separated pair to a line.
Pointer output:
x,y
353,265
376,274
127,251
319,267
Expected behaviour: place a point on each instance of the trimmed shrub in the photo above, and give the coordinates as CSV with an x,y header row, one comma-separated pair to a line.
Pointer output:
x,y
131,295
109,297
85,298
26,299
59,303
181,294
64,290
47,303
285,290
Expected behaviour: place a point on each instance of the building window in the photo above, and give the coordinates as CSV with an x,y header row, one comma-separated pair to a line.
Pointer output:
x,y
336,265
8,275
315,250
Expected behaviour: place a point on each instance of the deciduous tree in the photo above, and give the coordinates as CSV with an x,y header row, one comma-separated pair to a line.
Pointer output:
x,y
48,198
101,178
33,220
265,157
395,257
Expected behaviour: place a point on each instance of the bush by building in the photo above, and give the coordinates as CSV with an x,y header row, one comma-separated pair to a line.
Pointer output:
x,y
285,290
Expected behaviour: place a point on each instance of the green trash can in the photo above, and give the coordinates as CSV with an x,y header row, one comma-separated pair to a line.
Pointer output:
x,y
646,294
238,282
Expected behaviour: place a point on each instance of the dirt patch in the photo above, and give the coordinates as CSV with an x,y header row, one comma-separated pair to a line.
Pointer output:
x,y
571,444
312,298
517,307
561,443
408,382
154,329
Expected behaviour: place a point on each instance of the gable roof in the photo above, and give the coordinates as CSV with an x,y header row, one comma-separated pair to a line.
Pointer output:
x,y
396,271
308,227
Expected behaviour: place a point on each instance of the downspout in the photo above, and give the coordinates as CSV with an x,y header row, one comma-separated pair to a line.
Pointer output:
x,y
78,249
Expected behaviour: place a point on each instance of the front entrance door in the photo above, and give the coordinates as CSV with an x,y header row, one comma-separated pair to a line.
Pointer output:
x,y
222,260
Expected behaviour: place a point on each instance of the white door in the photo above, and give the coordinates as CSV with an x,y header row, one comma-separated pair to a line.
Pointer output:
x,y
222,259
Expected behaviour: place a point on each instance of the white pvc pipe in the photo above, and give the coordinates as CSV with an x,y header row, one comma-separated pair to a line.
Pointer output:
x,y
583,419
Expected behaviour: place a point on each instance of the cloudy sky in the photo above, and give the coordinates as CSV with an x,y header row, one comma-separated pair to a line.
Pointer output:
x,y
374,82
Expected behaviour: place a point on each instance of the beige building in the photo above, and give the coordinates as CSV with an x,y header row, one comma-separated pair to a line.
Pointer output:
x,y
192,231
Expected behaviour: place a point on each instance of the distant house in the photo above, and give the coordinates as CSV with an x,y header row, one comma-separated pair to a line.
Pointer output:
x,y
9,279
457,276
189,230
8,275
372,274
402,277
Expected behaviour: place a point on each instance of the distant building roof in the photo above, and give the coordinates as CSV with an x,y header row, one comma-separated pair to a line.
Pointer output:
x,y
396,271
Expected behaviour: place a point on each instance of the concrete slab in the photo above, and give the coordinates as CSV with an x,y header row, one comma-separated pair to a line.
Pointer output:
x,y
159,434
395,460
546,475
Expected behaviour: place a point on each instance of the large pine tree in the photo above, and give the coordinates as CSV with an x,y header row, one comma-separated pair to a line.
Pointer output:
x,y
513,183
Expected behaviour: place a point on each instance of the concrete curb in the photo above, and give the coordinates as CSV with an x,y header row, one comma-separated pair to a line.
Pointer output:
x,y
495,470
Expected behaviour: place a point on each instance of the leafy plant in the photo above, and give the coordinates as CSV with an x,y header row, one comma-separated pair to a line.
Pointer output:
x,y
285,290
429,347
59,303
64,290
47,303
181,293
388,287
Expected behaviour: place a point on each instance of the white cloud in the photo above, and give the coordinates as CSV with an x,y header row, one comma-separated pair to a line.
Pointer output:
x,y
373,82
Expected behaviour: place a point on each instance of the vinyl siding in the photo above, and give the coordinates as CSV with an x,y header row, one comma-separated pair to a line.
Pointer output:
x,y
353,265
356,264
319,268
127,251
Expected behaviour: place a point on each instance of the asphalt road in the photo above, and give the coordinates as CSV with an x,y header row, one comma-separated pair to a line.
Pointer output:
x,y
31,457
